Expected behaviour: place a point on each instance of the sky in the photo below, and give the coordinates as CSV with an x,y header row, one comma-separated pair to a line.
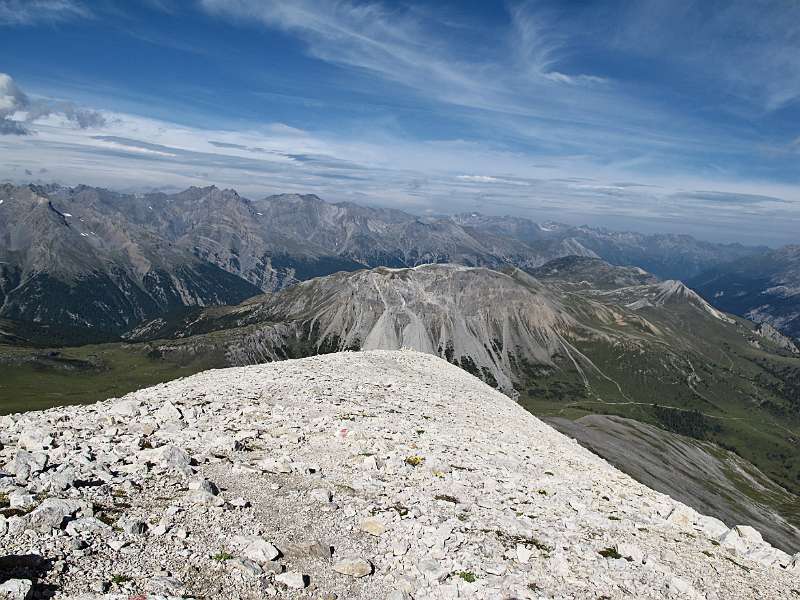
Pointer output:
x,y
654,115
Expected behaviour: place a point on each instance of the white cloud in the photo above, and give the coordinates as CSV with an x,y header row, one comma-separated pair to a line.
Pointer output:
x,y
30,12
490,179
18,110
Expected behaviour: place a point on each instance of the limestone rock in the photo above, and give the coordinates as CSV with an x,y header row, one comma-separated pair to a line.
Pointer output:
x,y
293,579
353,566
260,551
16,589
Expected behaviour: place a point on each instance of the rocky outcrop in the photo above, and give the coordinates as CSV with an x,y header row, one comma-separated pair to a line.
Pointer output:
x,y
772,335
354,475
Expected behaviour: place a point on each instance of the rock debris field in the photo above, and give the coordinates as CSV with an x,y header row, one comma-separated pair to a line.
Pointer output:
x,y
373,475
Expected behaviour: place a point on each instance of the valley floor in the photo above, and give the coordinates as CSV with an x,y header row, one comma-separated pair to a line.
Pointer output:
x,y
365,475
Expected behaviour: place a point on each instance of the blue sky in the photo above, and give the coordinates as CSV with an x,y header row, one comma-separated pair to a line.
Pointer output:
x,y
655,115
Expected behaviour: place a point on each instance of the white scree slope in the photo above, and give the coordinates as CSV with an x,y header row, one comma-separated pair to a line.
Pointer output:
x,y
364,475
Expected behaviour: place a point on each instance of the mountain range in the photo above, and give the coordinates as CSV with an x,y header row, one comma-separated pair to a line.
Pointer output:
x,y
102,261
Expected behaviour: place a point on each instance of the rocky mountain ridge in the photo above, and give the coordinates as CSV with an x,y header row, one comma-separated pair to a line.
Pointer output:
x,y
103,260
366,475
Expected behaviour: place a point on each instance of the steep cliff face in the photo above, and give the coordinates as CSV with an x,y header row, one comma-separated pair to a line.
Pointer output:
x,y
84,267
363,475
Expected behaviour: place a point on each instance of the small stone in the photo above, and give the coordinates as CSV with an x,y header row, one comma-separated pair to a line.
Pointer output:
x,y
373,526
246,566
204,485
524,554
16,589
260,551
322,495
86,525
354,567
320,550
399,547
133,526
160,529
203,498
681,515
117,545
749,534
167,586
168,412
293,579
35,438
494,568
25,464
370,463
681,586
21,500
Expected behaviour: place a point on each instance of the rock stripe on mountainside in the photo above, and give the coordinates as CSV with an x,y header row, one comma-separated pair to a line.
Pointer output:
x,y
374,475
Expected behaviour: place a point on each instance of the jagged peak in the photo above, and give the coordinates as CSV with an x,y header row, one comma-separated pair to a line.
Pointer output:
x,y
673,290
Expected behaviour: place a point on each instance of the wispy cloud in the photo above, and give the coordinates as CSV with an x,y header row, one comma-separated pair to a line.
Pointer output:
x,y
30,12
398,46
523,92
748,47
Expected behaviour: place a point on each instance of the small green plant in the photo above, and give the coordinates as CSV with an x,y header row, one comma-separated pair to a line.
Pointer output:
x,y
542,492
420,431
610,553
222,556
120,579
414,460
468,576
